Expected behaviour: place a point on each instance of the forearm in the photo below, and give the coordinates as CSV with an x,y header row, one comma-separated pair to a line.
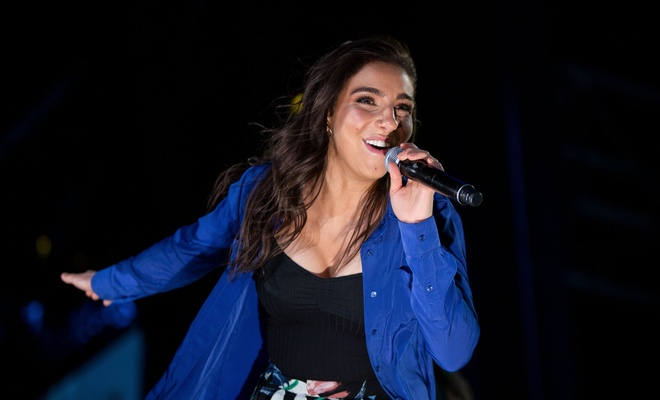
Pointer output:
x,y
440,295
169,264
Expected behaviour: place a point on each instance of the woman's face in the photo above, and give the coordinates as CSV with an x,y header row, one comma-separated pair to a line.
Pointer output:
x,y
373,113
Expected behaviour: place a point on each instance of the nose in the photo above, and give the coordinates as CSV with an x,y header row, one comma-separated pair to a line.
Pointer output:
x,y
389,119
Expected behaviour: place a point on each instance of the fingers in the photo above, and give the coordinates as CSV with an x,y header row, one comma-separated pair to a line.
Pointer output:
x,y
66,277
83,281
414,153
91,295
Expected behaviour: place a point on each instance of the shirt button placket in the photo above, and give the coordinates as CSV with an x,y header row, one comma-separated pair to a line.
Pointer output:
x,y
373,294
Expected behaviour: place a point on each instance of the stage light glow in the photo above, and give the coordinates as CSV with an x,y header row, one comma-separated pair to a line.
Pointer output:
x,y
43,246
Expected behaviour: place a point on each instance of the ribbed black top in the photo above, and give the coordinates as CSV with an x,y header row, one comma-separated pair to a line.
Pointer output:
x,y
315,326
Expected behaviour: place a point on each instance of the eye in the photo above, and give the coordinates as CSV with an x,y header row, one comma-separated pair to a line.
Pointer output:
x,y
365,100
403,110
404,107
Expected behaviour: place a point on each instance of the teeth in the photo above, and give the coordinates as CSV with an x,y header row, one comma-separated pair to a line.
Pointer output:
x,y
378,143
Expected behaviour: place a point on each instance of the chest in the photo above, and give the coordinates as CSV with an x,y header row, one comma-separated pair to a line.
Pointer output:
x,y
326,250
292,295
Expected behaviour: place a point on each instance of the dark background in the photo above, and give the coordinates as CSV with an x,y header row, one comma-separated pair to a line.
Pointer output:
x,y
117,118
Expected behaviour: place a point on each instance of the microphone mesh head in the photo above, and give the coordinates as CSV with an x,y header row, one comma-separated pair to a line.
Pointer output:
x,y
391,157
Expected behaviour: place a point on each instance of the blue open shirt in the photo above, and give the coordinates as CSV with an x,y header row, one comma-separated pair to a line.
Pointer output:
x,y
418,305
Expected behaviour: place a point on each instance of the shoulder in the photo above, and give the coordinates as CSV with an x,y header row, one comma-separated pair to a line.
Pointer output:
x,y
252,175
244,185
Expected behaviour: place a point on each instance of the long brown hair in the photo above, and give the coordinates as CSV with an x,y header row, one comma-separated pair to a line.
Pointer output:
x,y
297,153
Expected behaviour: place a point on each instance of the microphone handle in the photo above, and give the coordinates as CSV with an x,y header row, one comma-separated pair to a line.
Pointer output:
x,y
441,182
434,178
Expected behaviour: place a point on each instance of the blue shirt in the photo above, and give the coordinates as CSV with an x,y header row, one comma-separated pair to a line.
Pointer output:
x,y
417,302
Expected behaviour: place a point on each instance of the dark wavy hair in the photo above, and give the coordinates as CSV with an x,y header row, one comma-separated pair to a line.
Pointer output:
x,y
297,151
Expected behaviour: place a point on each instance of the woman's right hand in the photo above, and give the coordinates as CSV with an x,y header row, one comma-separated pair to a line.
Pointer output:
x,y
83,281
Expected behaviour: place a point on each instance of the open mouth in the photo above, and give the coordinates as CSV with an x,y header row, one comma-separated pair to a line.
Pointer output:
x,y
378,145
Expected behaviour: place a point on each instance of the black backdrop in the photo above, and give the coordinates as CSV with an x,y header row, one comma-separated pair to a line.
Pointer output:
x,y
118,118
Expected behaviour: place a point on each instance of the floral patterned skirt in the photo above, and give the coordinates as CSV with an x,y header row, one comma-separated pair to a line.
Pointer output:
x,y
273,385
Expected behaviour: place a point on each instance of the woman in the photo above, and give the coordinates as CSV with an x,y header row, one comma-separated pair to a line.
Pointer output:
x,y
343,281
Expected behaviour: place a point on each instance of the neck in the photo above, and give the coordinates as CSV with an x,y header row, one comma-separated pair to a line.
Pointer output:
x,y
340,195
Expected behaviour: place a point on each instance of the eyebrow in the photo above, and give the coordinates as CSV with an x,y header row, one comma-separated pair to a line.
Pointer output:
x,y
379,93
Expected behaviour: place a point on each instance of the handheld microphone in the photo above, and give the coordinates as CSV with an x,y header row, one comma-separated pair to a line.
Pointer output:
x,y
434,178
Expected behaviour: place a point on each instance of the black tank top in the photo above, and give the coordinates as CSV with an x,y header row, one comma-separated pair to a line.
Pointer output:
x,y
314,326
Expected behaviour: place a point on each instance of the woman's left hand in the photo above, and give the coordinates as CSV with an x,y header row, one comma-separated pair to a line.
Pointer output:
x,y
413,202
